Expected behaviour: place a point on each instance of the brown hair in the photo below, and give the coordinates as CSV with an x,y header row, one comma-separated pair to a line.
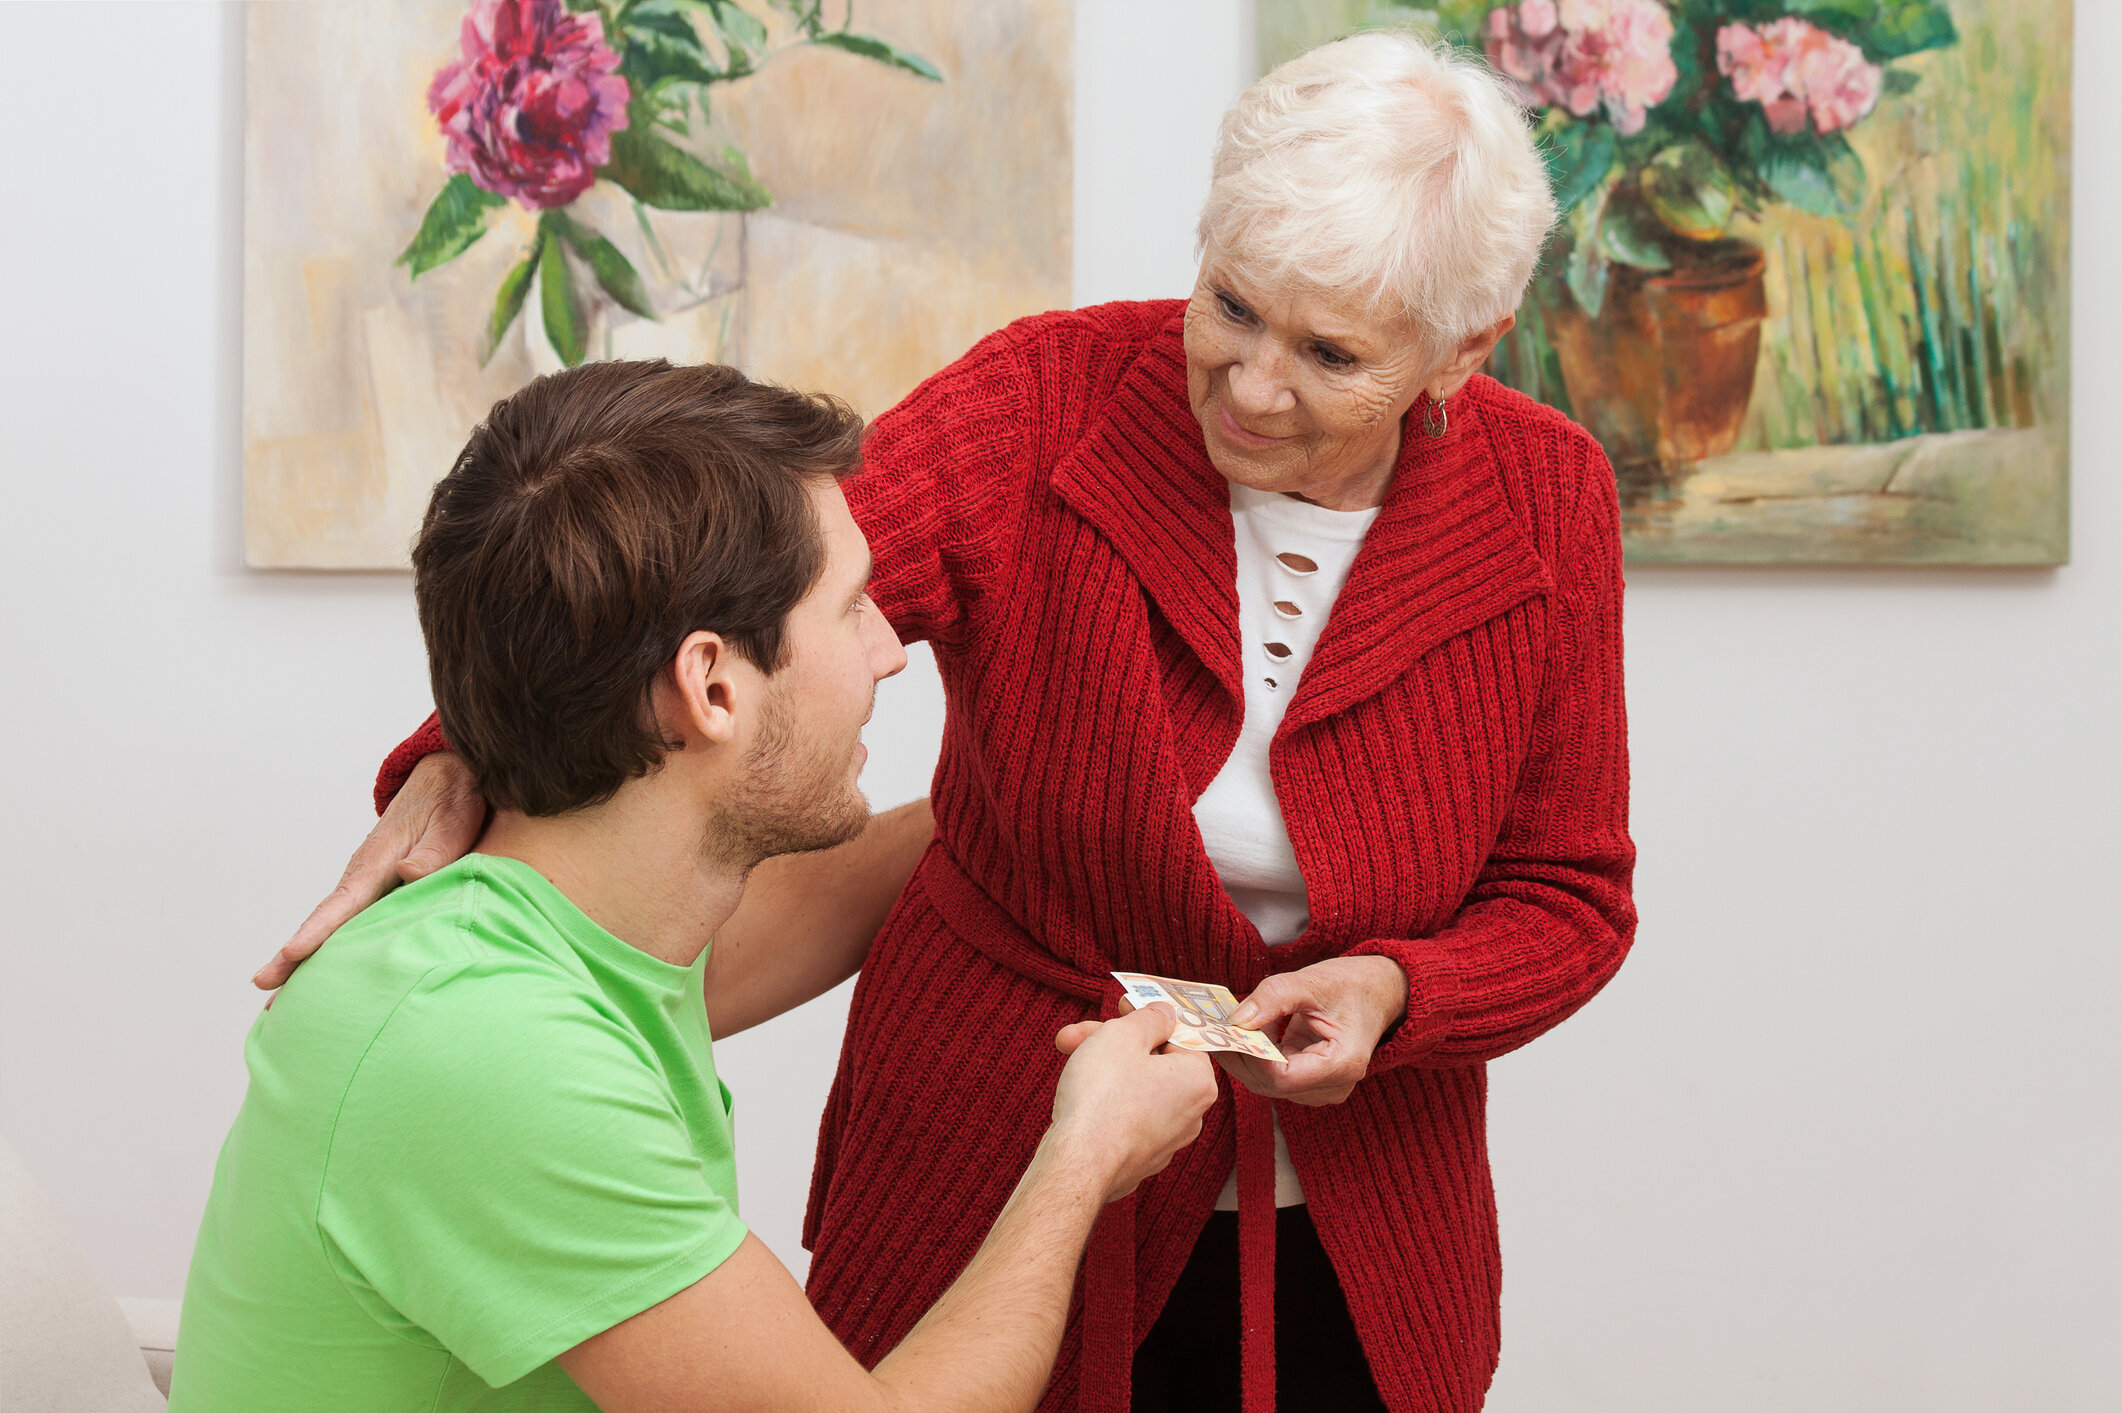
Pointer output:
x,y
596,518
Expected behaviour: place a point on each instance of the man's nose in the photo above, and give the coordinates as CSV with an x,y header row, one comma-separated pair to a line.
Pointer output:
x,y
888,659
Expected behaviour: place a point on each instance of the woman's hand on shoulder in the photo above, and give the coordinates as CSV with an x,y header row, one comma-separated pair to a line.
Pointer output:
x,y
433,821
1327,1019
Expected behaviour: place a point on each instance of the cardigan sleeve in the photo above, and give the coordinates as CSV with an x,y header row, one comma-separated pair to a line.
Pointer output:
x,y
398,765
1551,914
938,472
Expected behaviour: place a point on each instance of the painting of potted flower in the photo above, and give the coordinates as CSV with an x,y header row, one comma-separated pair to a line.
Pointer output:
x,y
1666,124
543,100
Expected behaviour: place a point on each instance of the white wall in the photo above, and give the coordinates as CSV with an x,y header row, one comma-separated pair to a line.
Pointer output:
x,y
1843,1134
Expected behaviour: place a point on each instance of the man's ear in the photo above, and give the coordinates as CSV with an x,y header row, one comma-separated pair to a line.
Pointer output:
x,y
1466,360
703,683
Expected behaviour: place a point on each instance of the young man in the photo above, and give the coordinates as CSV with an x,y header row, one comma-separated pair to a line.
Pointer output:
x,y
484,1160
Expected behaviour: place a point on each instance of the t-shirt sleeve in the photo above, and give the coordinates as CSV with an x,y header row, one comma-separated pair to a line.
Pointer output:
x,y
515,1177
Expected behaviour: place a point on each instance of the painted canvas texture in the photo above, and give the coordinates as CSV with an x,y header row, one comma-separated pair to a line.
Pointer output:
x,y
1811,283
446,198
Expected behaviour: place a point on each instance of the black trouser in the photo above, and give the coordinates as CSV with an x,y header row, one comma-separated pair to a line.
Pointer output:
x,y
1189,1362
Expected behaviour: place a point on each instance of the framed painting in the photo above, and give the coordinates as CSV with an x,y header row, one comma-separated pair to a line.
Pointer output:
x,y
445,198
1811,285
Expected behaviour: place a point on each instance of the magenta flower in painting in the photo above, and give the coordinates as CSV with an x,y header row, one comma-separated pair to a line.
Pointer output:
x,y
1799,72
1585,54
530,107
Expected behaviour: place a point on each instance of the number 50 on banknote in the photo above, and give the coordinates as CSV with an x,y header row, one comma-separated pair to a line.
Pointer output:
x,y
1204,1011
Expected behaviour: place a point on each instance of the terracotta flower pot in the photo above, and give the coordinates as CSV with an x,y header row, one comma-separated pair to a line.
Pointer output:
x,y
1663,376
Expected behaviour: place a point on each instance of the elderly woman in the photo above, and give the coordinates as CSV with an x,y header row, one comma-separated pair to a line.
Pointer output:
x,y
1282,650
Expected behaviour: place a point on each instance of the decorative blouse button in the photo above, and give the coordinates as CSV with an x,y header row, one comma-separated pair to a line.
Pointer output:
x,y
1288,609
1297,564
1280,652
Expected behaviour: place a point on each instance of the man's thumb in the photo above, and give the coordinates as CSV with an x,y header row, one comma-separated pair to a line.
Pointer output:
x,y
1156,1022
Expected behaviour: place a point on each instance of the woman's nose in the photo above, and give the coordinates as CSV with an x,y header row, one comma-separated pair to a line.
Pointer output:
x,y
1257,385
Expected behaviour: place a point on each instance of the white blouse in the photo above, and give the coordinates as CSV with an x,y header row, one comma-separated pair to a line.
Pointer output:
x,y
1293,558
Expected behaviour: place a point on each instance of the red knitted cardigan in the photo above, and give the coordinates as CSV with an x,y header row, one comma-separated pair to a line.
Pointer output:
x,y
1453,770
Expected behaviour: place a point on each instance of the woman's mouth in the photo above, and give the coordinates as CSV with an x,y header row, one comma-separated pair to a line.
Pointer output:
x,y
1244,437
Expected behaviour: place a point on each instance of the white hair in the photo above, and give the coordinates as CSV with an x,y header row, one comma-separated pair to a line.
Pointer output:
x,y
1388,164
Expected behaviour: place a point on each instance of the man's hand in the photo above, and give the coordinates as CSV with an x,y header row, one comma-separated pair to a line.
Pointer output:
x,y
434,821
1327,1019
1123,1104
743,1338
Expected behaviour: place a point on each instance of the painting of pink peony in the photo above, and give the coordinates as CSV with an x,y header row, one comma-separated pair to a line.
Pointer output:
x,y
530,104
1810,287
441,207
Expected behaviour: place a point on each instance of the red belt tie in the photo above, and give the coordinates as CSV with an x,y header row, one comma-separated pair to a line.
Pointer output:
x,y
1105,1380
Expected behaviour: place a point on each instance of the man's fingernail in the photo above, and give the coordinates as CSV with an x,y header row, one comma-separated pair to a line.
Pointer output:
x,y
1242,1016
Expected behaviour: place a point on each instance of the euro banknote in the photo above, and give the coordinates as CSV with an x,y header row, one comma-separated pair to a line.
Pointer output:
x,y
1203,1009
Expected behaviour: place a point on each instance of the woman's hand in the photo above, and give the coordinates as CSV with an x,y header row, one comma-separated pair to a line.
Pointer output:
x,y
434,821
1327,1019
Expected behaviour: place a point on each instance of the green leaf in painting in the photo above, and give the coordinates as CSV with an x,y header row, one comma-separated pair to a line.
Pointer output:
x,y
564,324
1578,159
662,47
1835,12
1588,269
662,21
615,274
883,53
508,300
1884,29
668,177
455,220
1689,190
1908,27
807,14
1628,235
1901,80
1587,276
1462,21
740,28
1822,175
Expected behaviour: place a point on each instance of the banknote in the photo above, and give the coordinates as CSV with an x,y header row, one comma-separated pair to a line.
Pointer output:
x,y
1204,1011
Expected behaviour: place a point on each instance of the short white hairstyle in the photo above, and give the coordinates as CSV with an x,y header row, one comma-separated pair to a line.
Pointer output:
x,y
1387,164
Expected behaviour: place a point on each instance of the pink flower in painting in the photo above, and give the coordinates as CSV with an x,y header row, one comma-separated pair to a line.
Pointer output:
x,y
530,108
1799,72
1840,85
1585,54
1537,18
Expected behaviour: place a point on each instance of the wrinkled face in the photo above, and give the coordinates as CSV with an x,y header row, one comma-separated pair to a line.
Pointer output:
x,y
797,790
1299,390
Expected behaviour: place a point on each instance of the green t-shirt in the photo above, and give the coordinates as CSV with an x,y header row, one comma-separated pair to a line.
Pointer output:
x,y
479,1130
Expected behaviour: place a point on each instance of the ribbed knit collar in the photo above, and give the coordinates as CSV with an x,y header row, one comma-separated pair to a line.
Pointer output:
x,y
1445,554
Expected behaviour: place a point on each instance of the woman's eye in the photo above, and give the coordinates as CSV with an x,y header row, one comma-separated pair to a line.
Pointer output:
x,y
1232,309
1333,357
